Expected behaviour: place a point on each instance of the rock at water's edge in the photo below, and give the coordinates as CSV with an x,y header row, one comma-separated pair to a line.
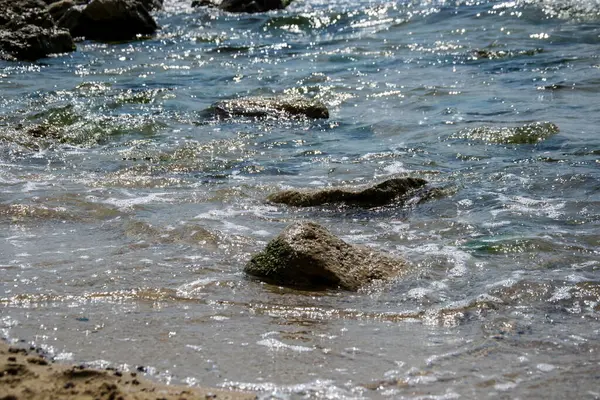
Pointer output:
x,y
307,256
27,31
152,5
109,20
245,6
275,107
387,192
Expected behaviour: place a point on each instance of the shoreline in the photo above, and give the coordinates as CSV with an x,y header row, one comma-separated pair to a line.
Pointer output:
x,y
26,374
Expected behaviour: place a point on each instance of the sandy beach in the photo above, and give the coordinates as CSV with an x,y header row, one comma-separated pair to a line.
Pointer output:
x,y
25,374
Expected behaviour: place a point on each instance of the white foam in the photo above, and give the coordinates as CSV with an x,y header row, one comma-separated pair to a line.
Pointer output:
x,y
545,367
127,204
274,344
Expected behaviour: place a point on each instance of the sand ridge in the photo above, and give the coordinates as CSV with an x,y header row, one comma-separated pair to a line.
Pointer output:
x,y
27,375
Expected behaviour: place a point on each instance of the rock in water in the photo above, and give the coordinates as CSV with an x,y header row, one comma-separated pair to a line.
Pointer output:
x,y
247,6
525,134
387,192
109,20
27,31
307,256
276,107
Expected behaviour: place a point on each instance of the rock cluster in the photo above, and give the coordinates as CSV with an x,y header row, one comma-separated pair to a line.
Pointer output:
x,y
33,29
27,31
105,20
307,256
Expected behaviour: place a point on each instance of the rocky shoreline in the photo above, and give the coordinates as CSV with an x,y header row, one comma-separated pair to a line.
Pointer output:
x,y
26,374
34,29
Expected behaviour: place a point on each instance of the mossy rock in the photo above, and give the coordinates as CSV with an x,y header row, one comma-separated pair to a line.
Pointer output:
x,y
307,256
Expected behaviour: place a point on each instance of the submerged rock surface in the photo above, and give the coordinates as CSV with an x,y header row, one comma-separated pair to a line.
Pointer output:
x,y
387,192
307,256
525,134
496,54
108,20
27,31
276,107
247,6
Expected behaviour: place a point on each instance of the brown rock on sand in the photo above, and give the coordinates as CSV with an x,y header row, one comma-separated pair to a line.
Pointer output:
x,y
24,375
307,256
387,192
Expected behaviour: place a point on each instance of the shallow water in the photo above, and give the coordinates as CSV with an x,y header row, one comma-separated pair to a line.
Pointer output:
x,y
128,212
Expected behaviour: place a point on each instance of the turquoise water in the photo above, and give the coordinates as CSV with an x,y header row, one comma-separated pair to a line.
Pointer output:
x,y
128,211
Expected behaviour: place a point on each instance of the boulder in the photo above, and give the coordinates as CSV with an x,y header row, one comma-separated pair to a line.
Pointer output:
x,y
387,192
108,20
58,8
307,256
245,6
28,32
274,107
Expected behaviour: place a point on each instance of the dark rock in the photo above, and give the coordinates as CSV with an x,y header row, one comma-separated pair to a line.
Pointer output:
x,y
496,54
152,5
109,20
387,192
59,8
28,32
275,107
245,6
307,256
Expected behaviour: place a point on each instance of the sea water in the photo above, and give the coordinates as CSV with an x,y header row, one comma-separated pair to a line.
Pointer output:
x,y
128,211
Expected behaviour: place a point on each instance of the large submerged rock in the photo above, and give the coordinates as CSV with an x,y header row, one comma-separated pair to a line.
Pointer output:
x,y
246,6
275,107
497,54
307,256
27,31
387,192
525,134
107,20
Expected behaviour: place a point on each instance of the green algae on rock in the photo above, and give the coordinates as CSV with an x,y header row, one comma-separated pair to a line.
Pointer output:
x,y
384,193
525,134
275,107
496,54
305,255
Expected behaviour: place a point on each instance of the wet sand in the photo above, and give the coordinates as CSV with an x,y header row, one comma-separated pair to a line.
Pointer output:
x,y
25,374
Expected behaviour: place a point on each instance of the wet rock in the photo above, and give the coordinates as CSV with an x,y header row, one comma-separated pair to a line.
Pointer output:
x,y
152,5
109,20
525,134
28,32
58,8
245,6
387,192
274,107
307,256
496,54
